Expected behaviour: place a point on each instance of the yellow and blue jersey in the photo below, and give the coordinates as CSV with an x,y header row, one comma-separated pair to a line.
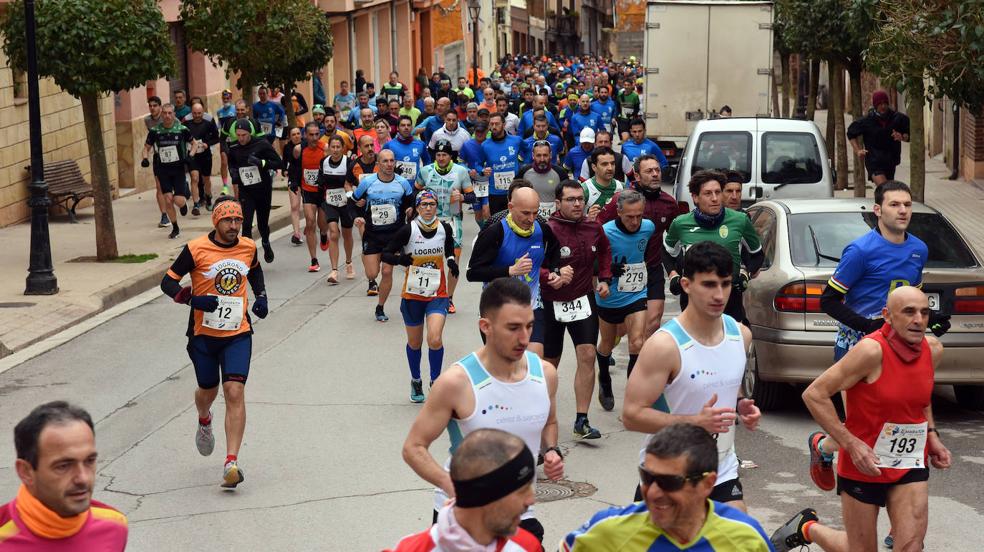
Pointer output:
x,y
630,529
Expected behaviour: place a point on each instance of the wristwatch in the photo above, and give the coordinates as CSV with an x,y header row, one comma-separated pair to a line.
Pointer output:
x,y
555,449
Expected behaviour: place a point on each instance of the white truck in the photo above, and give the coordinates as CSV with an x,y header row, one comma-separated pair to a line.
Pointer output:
x,y
701,55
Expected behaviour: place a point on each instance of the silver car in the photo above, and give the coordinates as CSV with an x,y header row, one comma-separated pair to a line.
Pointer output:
x,y
803,240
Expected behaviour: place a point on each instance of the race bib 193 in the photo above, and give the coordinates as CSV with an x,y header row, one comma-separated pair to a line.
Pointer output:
x,y
228,317
901,446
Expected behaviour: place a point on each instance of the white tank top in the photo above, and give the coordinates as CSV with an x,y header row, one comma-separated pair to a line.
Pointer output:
x,y
520,408
704,371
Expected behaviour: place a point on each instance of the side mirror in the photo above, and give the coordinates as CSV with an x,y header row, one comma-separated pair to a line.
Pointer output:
x,y
670,174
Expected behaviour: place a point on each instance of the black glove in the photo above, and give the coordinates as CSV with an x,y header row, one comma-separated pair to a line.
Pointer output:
x,y
618,268
741,283
260,307
183,296
145,162
254,160
874,325
293,186
207,303
453,267
939,324
405,260
675,287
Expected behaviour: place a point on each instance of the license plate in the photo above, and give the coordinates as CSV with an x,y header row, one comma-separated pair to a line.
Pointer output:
x,y
934,301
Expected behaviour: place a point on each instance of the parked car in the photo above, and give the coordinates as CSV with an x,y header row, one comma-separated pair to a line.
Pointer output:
x,y
803,240
778,158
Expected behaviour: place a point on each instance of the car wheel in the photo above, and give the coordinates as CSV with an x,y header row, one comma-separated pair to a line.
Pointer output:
x,y
768,395
970,396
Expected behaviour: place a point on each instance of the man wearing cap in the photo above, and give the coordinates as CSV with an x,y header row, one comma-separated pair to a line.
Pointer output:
x,y
220,333
493,486
251,162
882,131
578,154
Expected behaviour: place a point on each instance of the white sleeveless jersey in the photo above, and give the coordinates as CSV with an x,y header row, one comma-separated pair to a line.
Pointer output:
x,y
704,371
520,408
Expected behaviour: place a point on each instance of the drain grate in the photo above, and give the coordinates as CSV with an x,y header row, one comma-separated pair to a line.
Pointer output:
x,y
550,491
16,305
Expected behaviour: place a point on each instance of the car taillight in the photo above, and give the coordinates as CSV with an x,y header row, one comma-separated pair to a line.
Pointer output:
x,y
800,297
969,300
683,207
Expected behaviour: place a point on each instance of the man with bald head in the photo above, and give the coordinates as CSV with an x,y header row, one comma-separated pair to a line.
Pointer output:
x,y
888,437
520,247
431,124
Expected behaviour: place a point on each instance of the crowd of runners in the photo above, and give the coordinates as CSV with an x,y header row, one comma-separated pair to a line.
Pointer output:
x,y
570,237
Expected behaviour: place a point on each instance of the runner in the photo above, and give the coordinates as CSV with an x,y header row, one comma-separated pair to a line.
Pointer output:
x,y
251,162
502,153
220,333
544,175
672,382
294,173
452,186
181,108
493,487
204,135
510,119
883,130
623,167
678,510
472,156
424,246
541,133
410,110
570,303
579,154
310,155
154,118
170,141
335,184
502,373
628,108
889,433
54,509
603,105
393,89
386,197
269,114
411,154
711,221
600,188
639,144
229,133
581,118
344,102
451,132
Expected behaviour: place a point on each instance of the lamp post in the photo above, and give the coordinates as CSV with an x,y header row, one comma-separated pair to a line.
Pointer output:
x,y
41,275
474,9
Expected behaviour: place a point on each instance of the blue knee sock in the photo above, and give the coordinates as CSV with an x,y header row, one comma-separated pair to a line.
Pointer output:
x,y
436,358
413,357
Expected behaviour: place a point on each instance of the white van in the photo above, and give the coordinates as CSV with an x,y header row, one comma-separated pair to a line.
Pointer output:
x,y
778,158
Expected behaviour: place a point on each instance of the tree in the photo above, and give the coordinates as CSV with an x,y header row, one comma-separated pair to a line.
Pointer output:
x,y
260,40
90,48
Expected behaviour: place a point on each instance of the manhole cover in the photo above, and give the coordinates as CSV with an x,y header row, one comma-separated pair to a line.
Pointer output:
x,y
16,305
549,491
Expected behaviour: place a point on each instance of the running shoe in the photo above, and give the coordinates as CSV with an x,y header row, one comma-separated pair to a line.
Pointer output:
x,y
208,202
451,309
174,233
373,289
416,391
790,536
315,267
349,271
380,315
232,475
324,242
184,210
606,398
194,210
164,223
333,277
204,439
821,465
225,189
583,430
295,240
267,252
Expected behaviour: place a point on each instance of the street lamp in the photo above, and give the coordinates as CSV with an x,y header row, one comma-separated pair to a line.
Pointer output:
x,y
41,275
474,9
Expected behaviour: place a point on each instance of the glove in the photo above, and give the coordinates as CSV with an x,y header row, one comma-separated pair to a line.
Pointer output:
x,y
405,260
207,303
145,163
742,282
254,160
260,308
453,267
183,296
939,324
618,269
874,325
675,287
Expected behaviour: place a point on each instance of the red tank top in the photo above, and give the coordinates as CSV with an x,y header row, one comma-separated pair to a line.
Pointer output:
x,y
898,396
311,158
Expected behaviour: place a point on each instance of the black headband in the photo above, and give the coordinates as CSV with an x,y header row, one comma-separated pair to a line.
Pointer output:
x,y
500,482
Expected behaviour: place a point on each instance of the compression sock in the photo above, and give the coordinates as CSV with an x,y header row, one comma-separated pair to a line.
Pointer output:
x,y
231,458
632,361
579,417
806,531
604,377
413,357
436,359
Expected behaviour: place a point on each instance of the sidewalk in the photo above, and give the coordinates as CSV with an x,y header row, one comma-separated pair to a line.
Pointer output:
x,y
87,288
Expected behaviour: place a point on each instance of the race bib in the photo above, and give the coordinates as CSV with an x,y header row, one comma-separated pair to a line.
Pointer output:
x,y
503,179
627,111
901,446
407,169
336,197
250,175
267,128
168,154
481,189
280,132
725,443
546,209
423,281
228,317
634,278
382,214
311,176
572,311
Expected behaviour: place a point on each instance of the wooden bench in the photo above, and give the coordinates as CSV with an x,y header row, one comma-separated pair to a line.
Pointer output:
x,y
65,184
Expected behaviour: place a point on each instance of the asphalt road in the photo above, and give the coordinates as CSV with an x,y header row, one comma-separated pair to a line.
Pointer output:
x,y
327,413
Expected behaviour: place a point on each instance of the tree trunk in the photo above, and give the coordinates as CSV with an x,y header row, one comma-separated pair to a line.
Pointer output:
x,y
811,100
839,130
829,136
854,70
291,121
102,192
784,61
246,86
915,101
775,94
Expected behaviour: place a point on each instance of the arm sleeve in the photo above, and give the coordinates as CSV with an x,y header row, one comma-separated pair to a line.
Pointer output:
x,y
393,250
902,124
484,252
255,277
151,138
832,303
448,241
584,172
301,104
754,261
425,157
360,190
185,263
654,255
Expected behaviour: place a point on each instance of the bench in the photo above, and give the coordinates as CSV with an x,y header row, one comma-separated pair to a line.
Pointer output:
x,y
65,184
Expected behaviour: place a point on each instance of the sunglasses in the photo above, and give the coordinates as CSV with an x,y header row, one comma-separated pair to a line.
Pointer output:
x,y
668,483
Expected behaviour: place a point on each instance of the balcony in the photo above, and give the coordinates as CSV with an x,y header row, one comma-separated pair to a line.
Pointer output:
x,y
561,25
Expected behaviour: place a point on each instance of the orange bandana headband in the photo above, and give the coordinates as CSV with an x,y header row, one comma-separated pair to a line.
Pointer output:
x,y
226,209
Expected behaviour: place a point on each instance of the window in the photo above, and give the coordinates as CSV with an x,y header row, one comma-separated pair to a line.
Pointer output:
x,y
790,158
764,222
724,151
20,84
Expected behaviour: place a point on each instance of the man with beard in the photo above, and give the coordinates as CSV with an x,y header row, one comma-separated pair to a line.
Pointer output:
x,y
544,175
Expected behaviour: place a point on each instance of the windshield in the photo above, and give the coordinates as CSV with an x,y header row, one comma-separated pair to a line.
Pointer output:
x,y
829,233
724,151
790,158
